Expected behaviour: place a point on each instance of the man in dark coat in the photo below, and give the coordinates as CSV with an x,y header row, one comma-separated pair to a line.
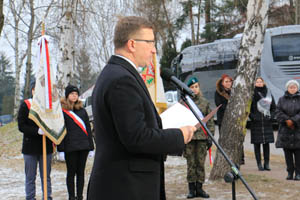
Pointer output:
x,y
32,149
130,143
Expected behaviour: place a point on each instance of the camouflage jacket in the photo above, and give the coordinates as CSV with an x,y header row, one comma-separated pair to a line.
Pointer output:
x,y
203,105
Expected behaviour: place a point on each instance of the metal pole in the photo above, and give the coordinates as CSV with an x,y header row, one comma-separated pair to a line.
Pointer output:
x,y
233,190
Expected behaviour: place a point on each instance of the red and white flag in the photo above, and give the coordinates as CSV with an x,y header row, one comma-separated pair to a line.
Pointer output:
x,y
46,109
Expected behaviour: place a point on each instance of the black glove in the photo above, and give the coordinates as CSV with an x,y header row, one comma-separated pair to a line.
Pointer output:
x,y
208,143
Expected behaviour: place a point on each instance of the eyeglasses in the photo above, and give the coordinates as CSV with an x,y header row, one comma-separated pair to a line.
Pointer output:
x,y
147,41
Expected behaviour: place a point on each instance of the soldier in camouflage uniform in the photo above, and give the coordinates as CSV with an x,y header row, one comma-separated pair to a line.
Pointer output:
x,y
195,151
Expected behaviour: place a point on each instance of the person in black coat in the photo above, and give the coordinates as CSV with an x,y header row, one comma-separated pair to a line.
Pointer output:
x,y
288,138
77,142
130,141
261,114
32,149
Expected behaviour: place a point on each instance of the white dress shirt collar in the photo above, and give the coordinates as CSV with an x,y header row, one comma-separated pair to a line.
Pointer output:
x,y
133,65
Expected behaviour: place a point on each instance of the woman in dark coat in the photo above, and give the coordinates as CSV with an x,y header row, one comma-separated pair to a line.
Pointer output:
x,y
288,117
222,95
77,142
262,111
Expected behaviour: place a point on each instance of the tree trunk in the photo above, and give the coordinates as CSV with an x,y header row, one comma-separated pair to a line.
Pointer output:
x,y
207,11
27,92
18,60
1,16
190,4
198,25
66,46
233,128
169,25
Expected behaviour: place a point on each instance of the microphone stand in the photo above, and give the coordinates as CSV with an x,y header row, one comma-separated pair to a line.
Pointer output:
x,y
235,173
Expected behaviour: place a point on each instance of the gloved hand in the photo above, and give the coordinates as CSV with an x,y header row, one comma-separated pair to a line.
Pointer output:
x,y
209,143
41,132
290,124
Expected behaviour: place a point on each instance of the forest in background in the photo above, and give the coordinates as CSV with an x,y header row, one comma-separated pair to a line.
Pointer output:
x,y
81,33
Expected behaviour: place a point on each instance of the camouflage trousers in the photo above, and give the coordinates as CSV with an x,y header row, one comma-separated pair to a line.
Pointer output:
x,y
195,154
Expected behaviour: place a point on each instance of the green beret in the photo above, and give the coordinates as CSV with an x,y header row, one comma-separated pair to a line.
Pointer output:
x,y
192,81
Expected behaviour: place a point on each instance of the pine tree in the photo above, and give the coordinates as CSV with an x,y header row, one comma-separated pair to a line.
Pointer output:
x,y
7,82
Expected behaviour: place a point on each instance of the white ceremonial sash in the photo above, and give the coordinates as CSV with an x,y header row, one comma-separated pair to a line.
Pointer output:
x,y
77,120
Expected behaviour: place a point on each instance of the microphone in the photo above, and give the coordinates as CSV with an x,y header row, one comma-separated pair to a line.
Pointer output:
x,y
167,75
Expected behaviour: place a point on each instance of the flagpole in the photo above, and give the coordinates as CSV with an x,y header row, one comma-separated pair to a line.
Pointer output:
x,y
155,78
44,147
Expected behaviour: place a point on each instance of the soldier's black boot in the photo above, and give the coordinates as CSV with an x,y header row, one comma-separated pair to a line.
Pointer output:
x,y
192,191
72,198
258,157
79,198
266,157
200,192
290,176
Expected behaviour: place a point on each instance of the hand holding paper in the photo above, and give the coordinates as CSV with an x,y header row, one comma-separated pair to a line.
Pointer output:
x,y
188,132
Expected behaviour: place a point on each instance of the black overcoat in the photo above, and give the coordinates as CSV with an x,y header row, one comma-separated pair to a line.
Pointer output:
x,y
76,139
288,107
261,126
130,143
32,141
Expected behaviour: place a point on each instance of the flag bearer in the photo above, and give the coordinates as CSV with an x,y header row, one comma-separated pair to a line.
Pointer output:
x,y
32,149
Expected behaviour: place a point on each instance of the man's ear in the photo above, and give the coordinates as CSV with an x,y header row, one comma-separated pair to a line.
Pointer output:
x,y
131,45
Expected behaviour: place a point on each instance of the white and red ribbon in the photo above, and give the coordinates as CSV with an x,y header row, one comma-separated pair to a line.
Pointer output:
x,y
44,53
77,120
28,103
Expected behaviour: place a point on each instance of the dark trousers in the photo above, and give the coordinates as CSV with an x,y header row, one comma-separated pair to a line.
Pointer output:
x,y
75,161
292,160
266,152
31,162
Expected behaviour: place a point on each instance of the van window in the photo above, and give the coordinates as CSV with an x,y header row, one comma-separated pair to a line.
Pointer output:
x,y
286,47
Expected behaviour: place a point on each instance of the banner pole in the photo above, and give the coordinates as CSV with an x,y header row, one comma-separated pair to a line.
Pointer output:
x,y
45,167
44,147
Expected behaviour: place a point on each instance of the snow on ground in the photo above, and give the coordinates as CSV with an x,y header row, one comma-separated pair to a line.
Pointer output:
x,y
12,180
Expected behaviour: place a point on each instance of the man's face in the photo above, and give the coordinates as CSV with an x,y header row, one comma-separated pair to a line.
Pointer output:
x,y
144,47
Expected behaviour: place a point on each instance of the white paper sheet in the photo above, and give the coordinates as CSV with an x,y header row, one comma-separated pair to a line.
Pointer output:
x,y
177,116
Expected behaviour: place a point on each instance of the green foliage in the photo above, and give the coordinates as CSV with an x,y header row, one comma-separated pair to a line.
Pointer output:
x,y
85,77
7,82
169,53
212,32
186,43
